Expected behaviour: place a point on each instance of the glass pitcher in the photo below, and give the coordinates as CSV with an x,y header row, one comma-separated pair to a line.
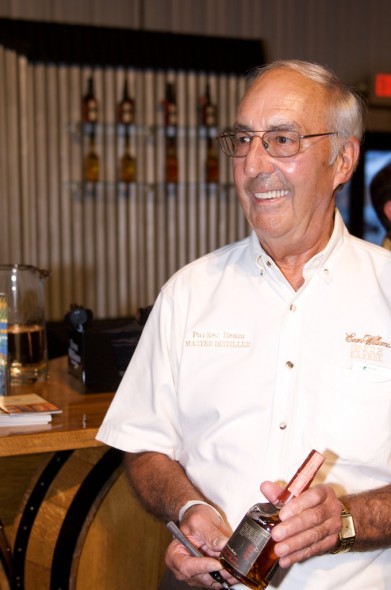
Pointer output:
x,y
23,286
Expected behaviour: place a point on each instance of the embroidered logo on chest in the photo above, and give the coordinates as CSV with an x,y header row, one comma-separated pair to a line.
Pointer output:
x,y
367,347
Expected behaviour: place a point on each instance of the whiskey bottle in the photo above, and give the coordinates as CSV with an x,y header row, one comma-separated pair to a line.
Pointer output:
x,y
90,104
209,110
128,163
249,553
126,107
170,111
91,162
170,114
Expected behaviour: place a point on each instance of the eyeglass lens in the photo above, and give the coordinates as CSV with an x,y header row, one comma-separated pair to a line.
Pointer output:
x,y
280,144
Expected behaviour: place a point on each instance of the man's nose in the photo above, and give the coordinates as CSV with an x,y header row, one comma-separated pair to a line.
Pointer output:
x,y
258,161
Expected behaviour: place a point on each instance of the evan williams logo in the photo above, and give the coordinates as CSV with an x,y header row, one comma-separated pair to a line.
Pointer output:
x,y
368,340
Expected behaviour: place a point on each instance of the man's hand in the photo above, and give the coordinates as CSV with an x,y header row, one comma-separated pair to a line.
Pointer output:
x,y
209,534
309,524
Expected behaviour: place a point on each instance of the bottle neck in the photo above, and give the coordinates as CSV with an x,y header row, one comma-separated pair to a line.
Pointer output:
x,y
302,478
284,498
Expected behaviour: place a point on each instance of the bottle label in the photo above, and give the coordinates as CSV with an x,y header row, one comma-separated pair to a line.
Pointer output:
x,y
171,114
92,112
127,113
245,545
210,116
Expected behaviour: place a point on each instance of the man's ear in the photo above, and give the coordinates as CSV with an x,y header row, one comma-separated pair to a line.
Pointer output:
x,y
347,160
387,209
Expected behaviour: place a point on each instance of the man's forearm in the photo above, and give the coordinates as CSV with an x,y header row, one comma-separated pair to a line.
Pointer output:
x,y
160,483
372,518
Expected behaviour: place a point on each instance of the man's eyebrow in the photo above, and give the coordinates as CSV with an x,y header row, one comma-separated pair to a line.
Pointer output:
x,y
273,127
240,127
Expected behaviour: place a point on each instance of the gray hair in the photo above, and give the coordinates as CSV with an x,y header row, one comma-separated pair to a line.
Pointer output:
x,y
346,108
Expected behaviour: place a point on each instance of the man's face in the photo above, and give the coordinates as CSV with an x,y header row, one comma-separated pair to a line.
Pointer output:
x,y
288,200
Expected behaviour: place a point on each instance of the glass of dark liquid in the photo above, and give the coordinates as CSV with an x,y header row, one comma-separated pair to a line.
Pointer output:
x,y
23,286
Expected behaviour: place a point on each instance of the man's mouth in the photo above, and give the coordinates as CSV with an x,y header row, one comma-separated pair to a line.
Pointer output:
x,y
270,194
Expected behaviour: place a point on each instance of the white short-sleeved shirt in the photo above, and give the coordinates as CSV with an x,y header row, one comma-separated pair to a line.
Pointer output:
x,y
237,376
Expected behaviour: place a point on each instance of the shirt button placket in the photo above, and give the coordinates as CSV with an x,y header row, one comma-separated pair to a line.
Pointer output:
x,y
287,384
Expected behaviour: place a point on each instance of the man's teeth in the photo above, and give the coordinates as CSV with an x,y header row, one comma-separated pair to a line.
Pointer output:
x,y
271,194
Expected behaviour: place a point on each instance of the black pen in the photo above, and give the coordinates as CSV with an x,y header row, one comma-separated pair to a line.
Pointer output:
x,y
194,551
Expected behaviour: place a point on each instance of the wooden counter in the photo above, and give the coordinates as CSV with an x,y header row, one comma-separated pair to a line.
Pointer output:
x,y
75,428
69,520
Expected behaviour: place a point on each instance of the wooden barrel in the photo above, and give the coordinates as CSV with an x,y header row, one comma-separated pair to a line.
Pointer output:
x,y
80,527
5,560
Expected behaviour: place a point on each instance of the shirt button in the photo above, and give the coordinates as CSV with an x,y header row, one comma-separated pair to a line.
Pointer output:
x,y
269,263
289,364
292,307
282,425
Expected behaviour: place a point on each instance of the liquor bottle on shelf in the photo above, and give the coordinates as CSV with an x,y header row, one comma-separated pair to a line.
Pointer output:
x,y
170,110
209,110
126,107
90,104
249,553
128,163
91,162
212,162
170,119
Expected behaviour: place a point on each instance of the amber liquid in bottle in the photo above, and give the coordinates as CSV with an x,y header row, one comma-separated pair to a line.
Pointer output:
x,y
249,553
128,164
170,121
209,110
91,162
170,111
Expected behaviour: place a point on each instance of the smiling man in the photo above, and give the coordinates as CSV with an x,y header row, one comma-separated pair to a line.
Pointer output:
x,y
267,348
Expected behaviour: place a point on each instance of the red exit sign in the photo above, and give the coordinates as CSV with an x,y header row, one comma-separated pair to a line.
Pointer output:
x,y
383,85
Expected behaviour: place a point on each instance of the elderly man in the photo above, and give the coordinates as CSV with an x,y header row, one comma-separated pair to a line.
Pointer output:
x,y
267,348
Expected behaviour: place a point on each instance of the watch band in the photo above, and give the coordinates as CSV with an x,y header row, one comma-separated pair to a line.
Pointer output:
x,y
194,503
347,534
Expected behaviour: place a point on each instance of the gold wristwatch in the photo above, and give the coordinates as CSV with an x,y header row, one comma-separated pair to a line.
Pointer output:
x,y
347,534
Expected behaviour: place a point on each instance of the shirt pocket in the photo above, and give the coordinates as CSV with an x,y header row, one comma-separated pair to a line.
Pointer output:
x,y
351,416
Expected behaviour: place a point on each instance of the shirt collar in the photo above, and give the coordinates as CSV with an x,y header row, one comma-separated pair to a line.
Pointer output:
x,y
322,262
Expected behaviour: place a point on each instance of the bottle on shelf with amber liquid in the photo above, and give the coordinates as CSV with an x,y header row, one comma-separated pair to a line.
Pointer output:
x,y
170,110
249,553
128,163
126,107
90,104
208,110
208,121
170,119
91,161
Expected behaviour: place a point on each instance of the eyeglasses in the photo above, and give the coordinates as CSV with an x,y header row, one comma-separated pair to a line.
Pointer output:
x,y
279,143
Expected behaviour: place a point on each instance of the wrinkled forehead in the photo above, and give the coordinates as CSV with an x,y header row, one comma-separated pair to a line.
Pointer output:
x,y
284,98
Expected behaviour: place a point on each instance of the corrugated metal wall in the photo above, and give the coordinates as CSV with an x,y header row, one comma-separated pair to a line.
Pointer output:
x,y
109,246
113,252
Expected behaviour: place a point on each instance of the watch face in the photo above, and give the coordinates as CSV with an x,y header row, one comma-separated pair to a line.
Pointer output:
x,y
348,529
